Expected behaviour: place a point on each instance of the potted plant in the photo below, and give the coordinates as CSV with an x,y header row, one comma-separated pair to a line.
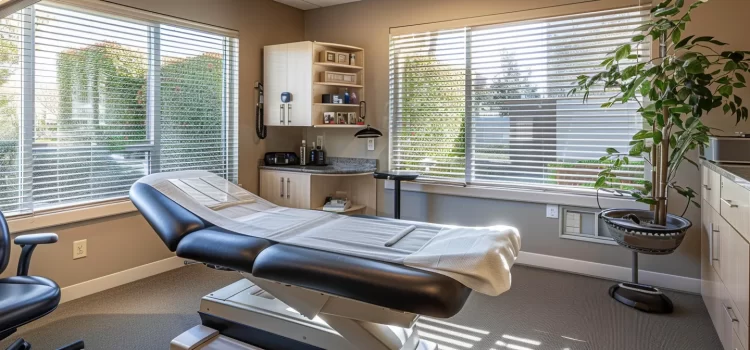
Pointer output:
x,y
690,77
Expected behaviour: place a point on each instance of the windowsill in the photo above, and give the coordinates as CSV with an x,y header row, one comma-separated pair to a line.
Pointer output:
x,y
519,195
62,217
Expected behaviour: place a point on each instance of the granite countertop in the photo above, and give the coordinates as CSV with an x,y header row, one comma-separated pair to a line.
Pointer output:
x,y
336,165
739,174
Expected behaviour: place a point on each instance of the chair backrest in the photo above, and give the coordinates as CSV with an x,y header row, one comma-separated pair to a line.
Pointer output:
x,y
4,243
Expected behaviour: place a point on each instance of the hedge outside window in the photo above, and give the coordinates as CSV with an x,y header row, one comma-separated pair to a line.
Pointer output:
x,y
89,103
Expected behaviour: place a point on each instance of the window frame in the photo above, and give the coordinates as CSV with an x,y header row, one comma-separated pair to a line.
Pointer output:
x,y
56,214
534,193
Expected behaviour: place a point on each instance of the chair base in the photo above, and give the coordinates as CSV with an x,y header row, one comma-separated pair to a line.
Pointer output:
x,y
641,297
21,344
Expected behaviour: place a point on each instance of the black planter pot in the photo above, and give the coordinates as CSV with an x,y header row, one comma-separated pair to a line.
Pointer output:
x,y
632,229
644,237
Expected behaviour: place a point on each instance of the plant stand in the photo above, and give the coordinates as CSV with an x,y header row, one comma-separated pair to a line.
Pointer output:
x,y
640,296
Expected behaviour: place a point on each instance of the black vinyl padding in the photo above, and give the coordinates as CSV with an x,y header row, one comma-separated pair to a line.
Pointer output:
x,y
170,220
26,298
218,246
379,283
388,285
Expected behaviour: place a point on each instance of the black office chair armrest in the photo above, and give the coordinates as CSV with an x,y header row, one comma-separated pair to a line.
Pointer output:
x,y
28,243
36,238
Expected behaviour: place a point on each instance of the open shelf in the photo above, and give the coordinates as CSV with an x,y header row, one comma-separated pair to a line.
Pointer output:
x,y
340,126
336,104
339,46
339,84
354,207
338,65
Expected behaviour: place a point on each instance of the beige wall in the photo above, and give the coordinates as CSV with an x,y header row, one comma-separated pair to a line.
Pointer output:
x,y
121,242
367,24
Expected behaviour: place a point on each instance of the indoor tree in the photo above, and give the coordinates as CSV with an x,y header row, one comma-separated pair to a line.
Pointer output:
x,y
690,77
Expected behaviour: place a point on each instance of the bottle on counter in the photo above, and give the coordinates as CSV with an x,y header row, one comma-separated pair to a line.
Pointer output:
x,y
303,154
353,59
321,157
314,155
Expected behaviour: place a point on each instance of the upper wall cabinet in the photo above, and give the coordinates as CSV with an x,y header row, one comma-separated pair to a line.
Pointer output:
x,y
307,71
288,69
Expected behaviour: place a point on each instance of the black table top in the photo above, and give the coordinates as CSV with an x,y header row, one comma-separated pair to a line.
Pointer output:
x,y
396,175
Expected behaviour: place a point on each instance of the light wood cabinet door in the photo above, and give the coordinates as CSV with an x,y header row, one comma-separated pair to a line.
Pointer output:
x,y
298,190
275,63
736,343
273,187
299,82
735,205
738,281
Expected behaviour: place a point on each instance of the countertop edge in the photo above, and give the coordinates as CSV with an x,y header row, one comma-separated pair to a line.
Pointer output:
x,y
722,170
320,171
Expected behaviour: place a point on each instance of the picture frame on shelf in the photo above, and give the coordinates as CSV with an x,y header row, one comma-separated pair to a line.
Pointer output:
x,y
351,118
341,117
328,56
329,117
342,58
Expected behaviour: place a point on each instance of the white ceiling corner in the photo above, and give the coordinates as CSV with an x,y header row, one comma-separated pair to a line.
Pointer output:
x,y
313,4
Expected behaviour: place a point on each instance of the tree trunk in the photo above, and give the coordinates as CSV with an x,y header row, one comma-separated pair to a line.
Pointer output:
x,y
662,167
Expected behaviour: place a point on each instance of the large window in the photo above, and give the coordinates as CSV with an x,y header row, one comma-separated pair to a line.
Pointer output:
x,y
489,105
90,102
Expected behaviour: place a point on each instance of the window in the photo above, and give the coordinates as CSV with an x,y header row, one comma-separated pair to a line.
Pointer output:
x,y
489,105
90,102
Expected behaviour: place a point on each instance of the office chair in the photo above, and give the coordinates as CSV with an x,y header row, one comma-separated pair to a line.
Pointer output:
x,y
25,298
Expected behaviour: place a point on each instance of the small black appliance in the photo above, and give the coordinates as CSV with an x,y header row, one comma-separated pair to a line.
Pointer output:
x,y
281,158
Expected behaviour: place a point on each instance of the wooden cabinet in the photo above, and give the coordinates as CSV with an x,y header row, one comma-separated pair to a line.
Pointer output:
x,y
725,258
297,68
287,189
309,191
287,68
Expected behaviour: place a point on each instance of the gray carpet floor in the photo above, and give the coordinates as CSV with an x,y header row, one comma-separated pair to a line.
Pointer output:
x,y
543,310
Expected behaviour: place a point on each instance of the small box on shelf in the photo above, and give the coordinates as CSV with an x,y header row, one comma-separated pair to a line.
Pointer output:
x,y
338,77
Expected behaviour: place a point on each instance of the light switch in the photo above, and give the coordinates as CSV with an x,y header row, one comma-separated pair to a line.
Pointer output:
x,y
370,144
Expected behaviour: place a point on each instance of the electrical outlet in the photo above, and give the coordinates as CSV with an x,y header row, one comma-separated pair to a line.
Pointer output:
x,y
552,211
370,144
320,140
79,249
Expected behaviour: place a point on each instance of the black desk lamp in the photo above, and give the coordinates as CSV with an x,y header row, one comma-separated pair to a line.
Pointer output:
x,y
368,132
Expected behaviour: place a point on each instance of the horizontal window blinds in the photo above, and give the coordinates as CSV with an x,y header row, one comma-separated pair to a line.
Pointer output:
x,y
513,120
15,133
428,94
116,99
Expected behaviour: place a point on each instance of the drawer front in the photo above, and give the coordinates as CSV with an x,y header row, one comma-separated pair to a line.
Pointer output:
x,y
735,205
735,331
737,343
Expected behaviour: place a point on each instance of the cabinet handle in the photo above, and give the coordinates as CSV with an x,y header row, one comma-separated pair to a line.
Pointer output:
x,y
729,203
288,191
711,254
281,115
288,113
282,187
706,187
731,314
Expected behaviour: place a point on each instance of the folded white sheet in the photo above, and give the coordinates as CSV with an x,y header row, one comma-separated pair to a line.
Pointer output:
x,y
478,257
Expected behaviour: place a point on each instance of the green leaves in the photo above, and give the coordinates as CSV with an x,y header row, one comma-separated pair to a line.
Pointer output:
x,y
683,42
668,11
622,52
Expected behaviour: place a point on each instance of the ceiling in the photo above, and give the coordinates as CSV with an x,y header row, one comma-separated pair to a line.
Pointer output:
x,y
313,4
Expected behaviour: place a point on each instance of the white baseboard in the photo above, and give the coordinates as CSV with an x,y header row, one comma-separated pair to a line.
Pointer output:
x,y
612,272
119,278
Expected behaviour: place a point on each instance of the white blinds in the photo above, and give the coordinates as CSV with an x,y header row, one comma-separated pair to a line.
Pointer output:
x,y
113,100
488,105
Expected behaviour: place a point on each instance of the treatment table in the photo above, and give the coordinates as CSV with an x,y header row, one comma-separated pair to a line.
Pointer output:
x,y
293,297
